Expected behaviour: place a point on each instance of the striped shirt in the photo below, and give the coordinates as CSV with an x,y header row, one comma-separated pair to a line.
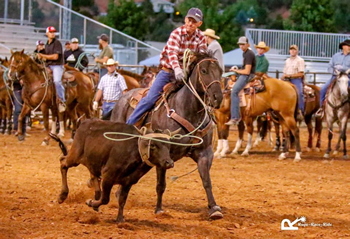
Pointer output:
x,y
112,86
294,65
172,54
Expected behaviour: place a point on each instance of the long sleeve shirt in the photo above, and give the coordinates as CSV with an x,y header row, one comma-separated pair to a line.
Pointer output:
x,y
215,47
339,61
179,40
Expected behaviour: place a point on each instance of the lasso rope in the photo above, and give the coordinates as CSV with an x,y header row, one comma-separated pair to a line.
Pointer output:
x,y
78,64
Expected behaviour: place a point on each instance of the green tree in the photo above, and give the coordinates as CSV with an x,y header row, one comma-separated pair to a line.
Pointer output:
x,y
128,18
311,15
342,14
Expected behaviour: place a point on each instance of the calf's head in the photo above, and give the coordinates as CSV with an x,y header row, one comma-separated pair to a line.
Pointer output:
x,y
155,153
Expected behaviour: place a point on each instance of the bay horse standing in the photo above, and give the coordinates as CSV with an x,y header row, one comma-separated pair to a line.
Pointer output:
x,y
204,74
6,107
337,107
37,92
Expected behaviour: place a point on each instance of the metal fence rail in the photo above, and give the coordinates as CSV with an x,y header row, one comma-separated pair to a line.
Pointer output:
x,y
312,45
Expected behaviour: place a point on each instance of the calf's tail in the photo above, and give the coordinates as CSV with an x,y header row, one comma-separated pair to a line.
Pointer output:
x,y
60,143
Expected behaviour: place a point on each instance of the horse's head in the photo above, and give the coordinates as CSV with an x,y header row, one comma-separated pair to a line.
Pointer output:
x,y
5,62
17,64
342,82
205,75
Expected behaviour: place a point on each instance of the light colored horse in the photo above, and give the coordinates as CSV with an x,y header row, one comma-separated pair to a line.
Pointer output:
x,y
337,107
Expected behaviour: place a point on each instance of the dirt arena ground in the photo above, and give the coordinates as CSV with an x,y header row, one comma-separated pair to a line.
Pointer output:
x,y
256,193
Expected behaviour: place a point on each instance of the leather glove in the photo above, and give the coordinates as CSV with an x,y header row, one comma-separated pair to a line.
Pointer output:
x,y
179,74
95,105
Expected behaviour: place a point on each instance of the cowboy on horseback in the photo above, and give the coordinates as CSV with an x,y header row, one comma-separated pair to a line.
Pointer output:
x,y
186,36
54,60
245,73
262,64
339,61
294,73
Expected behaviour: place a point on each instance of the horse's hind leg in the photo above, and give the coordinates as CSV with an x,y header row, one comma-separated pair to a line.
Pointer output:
x,y
318,131
309,129
241,128
330,136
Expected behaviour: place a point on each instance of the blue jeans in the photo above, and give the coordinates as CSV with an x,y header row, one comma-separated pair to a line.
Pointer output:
x,y
102,72
237,87
18,108
57,71
106,107
298,82
148,102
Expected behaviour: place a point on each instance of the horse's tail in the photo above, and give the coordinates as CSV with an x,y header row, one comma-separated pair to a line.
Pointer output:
x,y
60,143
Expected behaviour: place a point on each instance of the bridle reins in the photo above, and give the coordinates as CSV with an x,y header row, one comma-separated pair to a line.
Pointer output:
x,y
206,87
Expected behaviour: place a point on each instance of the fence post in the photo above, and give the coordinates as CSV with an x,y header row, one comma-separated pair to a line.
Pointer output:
x,y
277,74
314,78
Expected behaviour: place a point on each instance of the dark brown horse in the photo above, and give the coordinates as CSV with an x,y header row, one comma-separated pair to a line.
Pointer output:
x,y
204,74
37,92
79,91
5,101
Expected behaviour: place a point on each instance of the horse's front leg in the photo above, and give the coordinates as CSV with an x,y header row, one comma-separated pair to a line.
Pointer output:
x,y
241,128
9,117
161,185
24,112
250,128
204,159
278,137
330,136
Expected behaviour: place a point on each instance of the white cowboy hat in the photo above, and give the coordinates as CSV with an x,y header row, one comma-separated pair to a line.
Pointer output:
x,y
263,46
210,33
110,62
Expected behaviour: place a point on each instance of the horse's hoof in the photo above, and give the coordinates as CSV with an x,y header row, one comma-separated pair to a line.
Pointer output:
x,y
234,152
120,220
62,197
70,141
335,152
216,154
245,153
308,149
296,160
282,156
326,156
20,137
215,213
317,150
159,211
44,143
345,157
60,135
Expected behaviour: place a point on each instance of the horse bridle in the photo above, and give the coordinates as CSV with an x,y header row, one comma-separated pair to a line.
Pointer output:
x,y
206,87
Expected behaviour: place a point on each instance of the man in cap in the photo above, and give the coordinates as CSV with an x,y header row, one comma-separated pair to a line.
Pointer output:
x,y
110,88
294,72
105,54
186,36
214,46
67,48
40,47
245,73
74,55
340,61
54,59
262,64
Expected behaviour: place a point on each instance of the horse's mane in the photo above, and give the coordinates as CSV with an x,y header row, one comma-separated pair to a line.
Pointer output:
x,y
69,68
129,73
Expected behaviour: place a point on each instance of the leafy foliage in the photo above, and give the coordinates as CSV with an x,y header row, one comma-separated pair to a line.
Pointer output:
x,y
311,15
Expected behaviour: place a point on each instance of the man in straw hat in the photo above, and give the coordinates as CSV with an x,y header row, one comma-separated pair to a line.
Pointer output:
x,y
244,74
186,36
214,46
294,72
339,61
262,64
110,88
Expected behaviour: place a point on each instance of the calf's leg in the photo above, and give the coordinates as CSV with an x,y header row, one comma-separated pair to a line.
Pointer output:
x,y
124,192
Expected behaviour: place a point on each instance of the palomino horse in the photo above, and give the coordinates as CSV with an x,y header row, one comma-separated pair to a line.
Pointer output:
x,y
37,92
223,114
204,74
312,104
5,101
337,107
281,97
